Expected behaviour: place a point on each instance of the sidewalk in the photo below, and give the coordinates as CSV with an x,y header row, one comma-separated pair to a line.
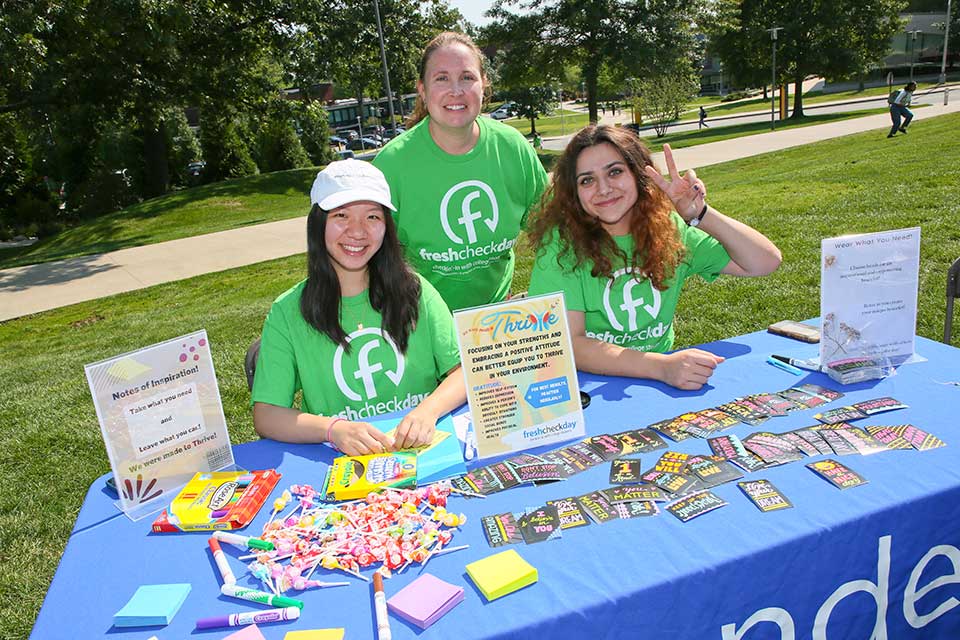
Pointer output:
x,y
35,288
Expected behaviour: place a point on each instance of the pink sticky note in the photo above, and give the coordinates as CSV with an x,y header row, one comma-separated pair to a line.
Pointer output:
x,y
246,633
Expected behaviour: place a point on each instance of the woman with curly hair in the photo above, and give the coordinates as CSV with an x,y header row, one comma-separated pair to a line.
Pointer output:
x,y
618,239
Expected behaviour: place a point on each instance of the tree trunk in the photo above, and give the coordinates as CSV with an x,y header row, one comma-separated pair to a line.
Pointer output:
x,y
156,173
590,72
798,99
766,96
533,125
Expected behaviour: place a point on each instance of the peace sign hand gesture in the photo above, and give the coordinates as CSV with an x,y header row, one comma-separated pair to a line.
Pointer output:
x,y
686,192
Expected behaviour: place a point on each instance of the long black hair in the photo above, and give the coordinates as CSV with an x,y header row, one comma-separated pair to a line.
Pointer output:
x,y
394,288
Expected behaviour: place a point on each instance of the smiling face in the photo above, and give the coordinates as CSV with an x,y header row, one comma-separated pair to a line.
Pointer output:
x,y
353,234
606,188
452,87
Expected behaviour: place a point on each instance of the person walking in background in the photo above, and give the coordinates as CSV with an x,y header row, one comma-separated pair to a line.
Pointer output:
x,y
461,184
899,109
703,119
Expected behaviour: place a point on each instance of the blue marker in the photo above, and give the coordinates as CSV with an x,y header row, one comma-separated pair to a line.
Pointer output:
x,y
789,368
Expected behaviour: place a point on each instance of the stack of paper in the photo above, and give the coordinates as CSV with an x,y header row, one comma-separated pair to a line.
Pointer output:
x,y
425,600
501,573
152,604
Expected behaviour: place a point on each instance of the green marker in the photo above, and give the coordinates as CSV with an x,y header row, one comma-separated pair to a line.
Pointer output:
x,y
253,595
242,542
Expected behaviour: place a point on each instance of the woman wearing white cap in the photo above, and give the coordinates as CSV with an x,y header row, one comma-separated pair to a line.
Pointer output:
x,y
362,336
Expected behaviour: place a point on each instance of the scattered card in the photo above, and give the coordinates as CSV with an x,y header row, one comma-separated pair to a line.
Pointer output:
x,y
540,525
640,441
696,504
625,471
570,513
597,507
879,405
840,414
501,529
837,474
636,493
764,495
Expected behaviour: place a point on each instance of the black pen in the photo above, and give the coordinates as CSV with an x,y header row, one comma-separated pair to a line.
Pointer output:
x,y
809,365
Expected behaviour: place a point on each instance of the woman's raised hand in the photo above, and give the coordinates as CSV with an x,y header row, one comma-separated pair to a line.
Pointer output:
x,y
686,192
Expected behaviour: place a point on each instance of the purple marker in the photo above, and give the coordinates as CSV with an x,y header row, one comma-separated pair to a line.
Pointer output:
x,y
249,617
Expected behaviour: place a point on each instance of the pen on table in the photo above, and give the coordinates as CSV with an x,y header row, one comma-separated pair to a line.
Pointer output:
x,y
809,365
253,595
789,368
380,606
221,560
249,617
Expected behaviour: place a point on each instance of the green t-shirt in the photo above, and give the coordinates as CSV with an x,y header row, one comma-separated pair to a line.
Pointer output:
x,y
458,216
373,378
623,310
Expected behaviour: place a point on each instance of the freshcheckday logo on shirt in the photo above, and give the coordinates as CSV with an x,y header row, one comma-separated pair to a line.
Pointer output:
x,y
371,375
629,305
469,216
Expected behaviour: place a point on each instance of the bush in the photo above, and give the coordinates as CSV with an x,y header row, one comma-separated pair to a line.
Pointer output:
x,y
280,148
183,146
226,154
735,95
104,192
315,133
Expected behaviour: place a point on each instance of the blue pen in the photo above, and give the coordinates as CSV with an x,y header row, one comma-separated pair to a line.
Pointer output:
x,y
789,368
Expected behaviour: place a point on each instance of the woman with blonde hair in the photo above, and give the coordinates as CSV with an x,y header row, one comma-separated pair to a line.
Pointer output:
x,y
462,184
618,239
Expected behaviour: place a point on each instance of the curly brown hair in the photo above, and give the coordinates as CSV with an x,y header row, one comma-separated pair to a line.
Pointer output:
x,y
657,247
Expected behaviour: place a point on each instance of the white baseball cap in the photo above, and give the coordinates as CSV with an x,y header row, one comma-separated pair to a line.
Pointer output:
x,y
347,181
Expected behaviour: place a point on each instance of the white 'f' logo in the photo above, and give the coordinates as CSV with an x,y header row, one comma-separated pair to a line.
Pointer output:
x,y
467,214
630,304
366,368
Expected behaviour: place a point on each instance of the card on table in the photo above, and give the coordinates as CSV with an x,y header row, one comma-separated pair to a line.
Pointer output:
x,y
695,504
636,493
837,474
672,428
764,495
640,441
745,411
606,445
638,509
672,482
501,529
879,405
597,507
840,414
625,471
540,524
570,512
889,437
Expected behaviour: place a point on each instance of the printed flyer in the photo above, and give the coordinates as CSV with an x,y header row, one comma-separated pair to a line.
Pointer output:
x,y
868,295
521,379
161,419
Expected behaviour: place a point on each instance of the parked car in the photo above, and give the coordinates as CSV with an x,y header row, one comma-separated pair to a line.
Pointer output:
x,y
338,142
195,172
346,154
502,112
362,143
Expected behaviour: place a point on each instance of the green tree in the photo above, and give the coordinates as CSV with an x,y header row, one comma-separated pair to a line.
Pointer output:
x,y
315,132
630,37
531,103
837,39
663,97
225,150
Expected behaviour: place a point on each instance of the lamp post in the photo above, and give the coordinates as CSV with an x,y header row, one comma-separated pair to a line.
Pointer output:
x,y
386,74
773,86
913,49
946,41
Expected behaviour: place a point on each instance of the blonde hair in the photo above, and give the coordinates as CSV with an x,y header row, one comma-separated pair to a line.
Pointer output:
x,y
445,39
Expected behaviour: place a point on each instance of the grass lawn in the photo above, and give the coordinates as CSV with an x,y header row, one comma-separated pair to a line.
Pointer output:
x,y
715,108
213,207
52,444
552,125
704,136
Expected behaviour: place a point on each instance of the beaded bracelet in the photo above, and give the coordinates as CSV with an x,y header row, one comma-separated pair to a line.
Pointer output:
x,y
330,429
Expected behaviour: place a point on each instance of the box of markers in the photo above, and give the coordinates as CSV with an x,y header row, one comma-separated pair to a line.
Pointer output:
x,y
221,500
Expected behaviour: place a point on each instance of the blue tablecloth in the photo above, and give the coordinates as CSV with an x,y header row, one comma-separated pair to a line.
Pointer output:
x,y
842,565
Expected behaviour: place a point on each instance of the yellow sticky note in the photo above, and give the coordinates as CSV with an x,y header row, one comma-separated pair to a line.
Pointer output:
x,y
501,573
315,634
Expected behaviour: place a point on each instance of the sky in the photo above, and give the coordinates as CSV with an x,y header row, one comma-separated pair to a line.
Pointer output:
x,y
473,10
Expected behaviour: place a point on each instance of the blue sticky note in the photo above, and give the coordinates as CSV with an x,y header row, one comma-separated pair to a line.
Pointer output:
x,y
152,604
